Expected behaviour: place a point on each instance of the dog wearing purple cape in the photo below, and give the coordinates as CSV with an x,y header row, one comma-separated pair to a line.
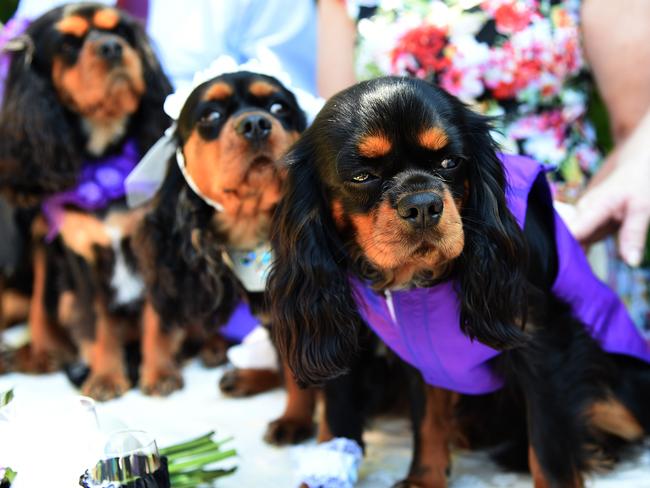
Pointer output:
x,y
401,218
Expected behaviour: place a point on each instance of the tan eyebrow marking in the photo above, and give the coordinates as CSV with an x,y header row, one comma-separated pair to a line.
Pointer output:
x,y
433,138
218,91
106,18
262,88
74,25
374,145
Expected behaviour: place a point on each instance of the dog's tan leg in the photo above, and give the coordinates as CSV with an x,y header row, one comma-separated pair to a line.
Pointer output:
x,y
46,352
324,433
431,458
214,350
539,480
159,374
246,382
296,423
14,308
242,382
106,359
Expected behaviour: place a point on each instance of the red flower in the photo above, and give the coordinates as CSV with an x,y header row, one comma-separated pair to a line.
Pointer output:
x,y
504,91
425,46
512,17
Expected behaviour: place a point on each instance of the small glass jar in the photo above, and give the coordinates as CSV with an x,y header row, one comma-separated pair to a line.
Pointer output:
x,y
129,456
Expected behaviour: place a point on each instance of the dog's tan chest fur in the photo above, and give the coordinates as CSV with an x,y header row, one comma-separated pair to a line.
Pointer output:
x,y
244,232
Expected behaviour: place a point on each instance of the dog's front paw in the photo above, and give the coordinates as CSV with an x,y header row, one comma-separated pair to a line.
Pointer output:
x,y
287,430
161,382
213,352
105,386
245,382
426,478
407,484
420,483
29,359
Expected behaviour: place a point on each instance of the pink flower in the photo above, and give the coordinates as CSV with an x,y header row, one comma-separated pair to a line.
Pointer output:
x,y
466,84
509,71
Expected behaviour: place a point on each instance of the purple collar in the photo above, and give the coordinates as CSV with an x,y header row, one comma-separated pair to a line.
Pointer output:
x,y
12,29
101,182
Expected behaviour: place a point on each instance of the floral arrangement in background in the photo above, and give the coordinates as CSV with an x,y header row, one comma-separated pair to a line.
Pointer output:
x,y
519,60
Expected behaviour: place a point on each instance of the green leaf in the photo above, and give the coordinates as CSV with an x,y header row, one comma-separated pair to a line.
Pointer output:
x,y
6,397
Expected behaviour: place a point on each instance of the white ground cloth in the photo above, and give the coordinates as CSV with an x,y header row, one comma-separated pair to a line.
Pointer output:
x,y
200,407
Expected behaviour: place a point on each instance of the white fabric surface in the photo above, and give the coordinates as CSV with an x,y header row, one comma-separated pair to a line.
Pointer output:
x,y
256,351
200,407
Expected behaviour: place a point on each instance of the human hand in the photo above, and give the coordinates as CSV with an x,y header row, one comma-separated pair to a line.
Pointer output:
x,y
621,199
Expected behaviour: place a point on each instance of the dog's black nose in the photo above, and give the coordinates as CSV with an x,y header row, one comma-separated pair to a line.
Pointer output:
x,y
110,50
255,128
421,209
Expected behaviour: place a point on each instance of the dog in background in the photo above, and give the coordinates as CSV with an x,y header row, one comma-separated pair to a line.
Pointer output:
x,y
213,213
399,215
83,102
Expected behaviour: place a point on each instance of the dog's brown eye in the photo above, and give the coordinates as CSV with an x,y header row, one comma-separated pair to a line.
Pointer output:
x,y
278,108
70,46
210,118
449,163
361,177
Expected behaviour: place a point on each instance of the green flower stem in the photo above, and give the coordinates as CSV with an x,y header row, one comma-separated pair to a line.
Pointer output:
x,y
200,449
186,445
201,461
191,479
225,441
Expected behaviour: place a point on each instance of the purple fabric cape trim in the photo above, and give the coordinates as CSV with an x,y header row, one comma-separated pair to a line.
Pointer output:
x,y
101,181
12,29
426,332
137,8
240,324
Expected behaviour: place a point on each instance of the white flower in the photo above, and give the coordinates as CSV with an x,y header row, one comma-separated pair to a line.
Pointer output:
x,y
469,52
466,23
544,147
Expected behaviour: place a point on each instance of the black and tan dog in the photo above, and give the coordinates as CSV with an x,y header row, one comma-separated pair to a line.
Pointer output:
x,y
216,203
397,185
85,86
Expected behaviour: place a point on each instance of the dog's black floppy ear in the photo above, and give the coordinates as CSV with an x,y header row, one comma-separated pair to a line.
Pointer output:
x,y
493,263
150,121
37,147
315,322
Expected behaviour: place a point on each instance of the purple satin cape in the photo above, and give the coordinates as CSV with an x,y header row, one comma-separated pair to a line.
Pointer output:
x,y
423,327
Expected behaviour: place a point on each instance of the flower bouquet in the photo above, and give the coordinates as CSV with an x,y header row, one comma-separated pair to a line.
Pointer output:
x,y
517,60
134,461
